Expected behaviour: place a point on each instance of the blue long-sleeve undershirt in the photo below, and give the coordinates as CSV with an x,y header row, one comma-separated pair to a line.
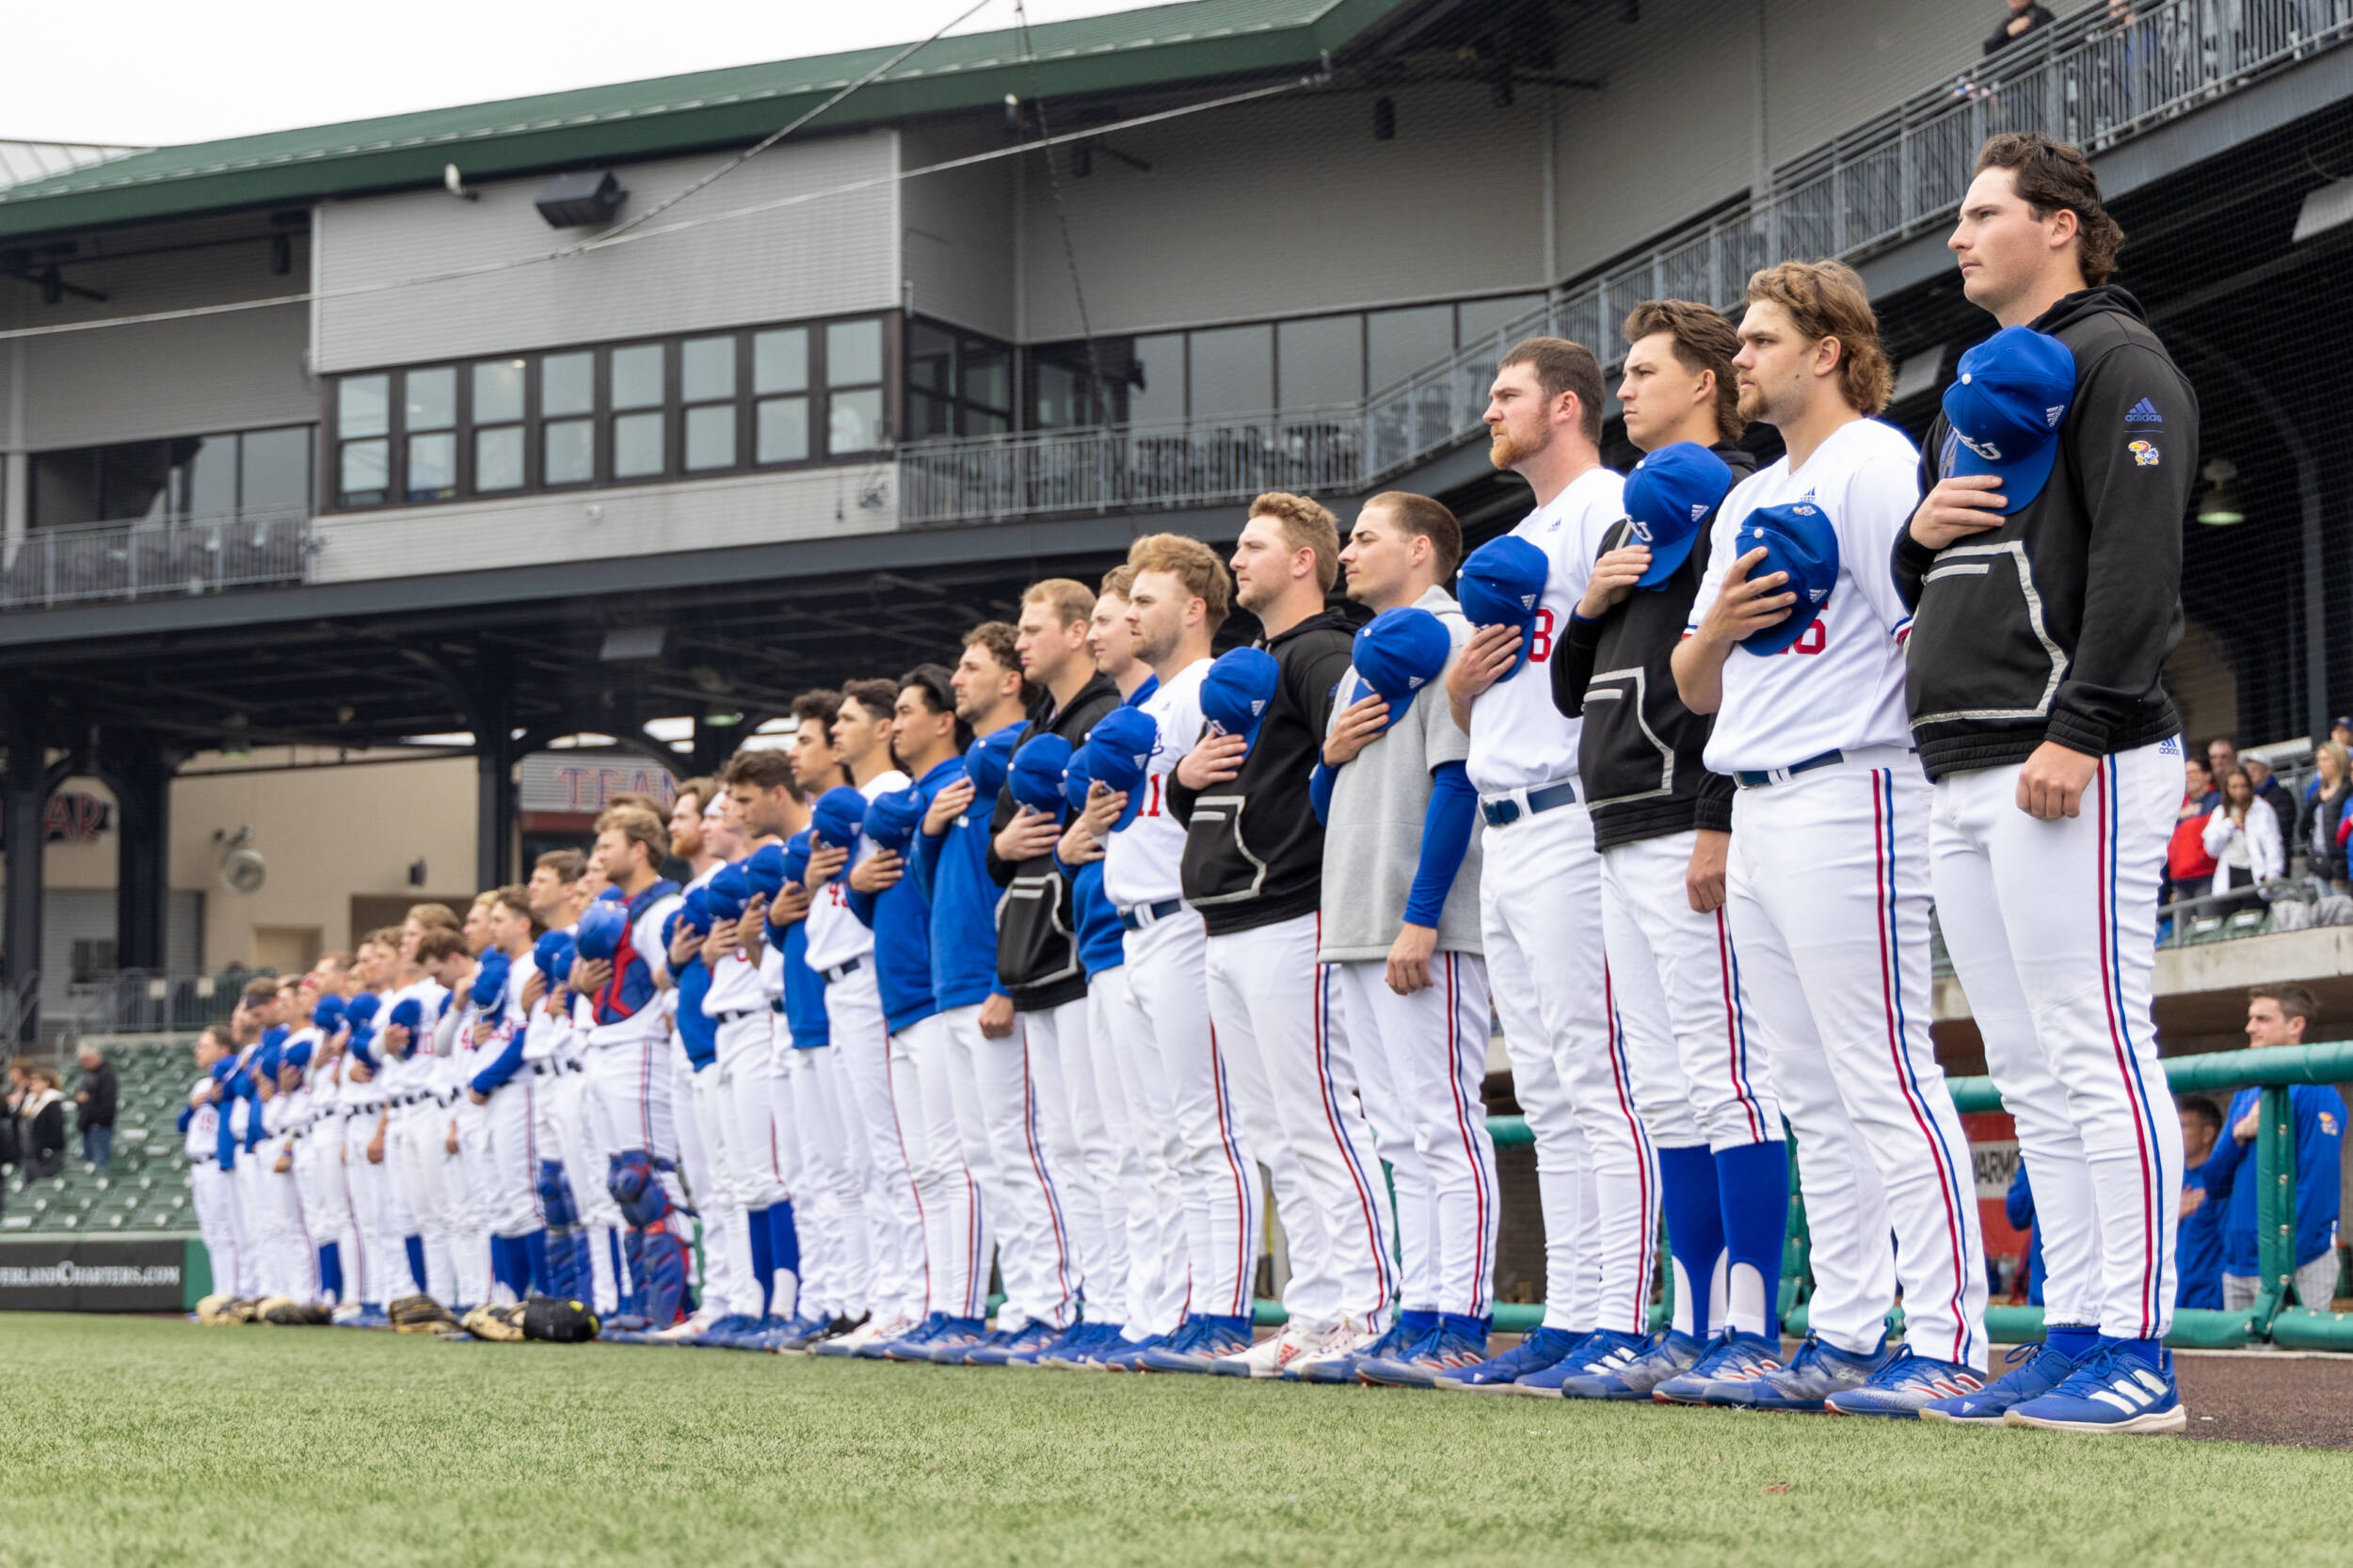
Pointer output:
x,y
1320,790
1445,836
502,1067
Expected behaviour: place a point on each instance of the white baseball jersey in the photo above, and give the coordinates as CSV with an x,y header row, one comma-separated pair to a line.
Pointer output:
x,y
1143,862
835,935
735,985
203,1123
1518,739
1840,686
651,1021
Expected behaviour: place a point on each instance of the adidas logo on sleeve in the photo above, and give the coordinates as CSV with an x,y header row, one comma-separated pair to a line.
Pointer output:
x,y
2143,412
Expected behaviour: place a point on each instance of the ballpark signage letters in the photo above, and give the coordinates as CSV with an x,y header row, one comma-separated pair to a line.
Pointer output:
x,y
70,1274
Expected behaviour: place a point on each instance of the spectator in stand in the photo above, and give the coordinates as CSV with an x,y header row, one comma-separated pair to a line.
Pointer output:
x,y
2243,836
2340,730
94,1107
2222,756
2024,17
2269,788
41,1114
2324,810
2018,1205
2188,867
2279,1016
2197,1248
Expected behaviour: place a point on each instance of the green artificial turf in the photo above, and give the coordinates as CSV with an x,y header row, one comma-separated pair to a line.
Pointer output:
x,y
140,1441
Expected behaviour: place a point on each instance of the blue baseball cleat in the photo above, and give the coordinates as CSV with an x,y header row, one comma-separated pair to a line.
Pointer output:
x,y
722,1333
2114,1390
1202,1340
1408,1329
1532,1355
909,1344
1457,1343
1633,1376
1598,1354
2035,1370
1000,1349
948,1347
1073,1339
1126,1356
1729,1357
1813,1374
1907,1383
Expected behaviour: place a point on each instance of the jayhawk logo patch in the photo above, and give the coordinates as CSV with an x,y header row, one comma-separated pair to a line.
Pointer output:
x,y
2145,453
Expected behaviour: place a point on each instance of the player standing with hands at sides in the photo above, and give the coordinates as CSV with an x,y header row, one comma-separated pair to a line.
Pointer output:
x,y
1663,825
1039,958
1797,648
1254,868
1540,879
2044,570
1400,940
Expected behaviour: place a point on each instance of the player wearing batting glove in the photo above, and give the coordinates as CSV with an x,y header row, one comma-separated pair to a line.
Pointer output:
x,y
2043,569
1797,646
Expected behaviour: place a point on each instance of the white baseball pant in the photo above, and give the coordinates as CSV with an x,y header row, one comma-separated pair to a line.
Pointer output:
x,y
255,1253
318,1184
1083,1153
877,1150
462,1204
1006,1151
1127,1070
507,1133
1829,901
294,1261
755,1160
212,1191
931,1085
383,1229
563,1109
1168,997
840,1282
1421,1061
1273,1008
2051,928
699,1097
1540,924
414,1149
630,1105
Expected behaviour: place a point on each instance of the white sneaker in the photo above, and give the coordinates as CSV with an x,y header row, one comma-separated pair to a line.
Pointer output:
x,y
1274,1356
1332,1350
862,1336
678,1332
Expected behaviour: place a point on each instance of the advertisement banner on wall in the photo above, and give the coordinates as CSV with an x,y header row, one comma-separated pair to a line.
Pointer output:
x,y
41,1274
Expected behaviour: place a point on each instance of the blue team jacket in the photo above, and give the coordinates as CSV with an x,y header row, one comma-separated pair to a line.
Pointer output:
x,y
2318,1115
2198,1249
901,920
952,871
1101,943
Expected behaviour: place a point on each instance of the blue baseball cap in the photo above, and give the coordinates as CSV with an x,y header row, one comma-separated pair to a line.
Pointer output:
x,y
891,820
1119,754
2005,410
764,870
552,954
265,1060
1500,584
727,892
1036,775
1398,652
408,1012
694,910
793,861
297,1056
838,816
1076,778
986,762
1238,689
329,1014
1797,540
1669,498
489,981
360,1011
599,933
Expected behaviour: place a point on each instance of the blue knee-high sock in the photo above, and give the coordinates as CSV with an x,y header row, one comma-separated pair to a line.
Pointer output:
x,y
503,1261
534,1248
763,1254
1695,1229
332,1270
784,1239
415,1245
1752,1181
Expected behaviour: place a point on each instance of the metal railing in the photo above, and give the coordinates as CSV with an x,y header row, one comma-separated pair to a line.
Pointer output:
x,y
77,563
2093,79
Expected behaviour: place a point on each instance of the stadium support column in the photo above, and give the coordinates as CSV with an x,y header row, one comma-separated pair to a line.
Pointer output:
x,y
140,772
491,707
23,796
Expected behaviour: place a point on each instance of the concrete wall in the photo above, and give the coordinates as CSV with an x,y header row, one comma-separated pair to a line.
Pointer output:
x,y
835,253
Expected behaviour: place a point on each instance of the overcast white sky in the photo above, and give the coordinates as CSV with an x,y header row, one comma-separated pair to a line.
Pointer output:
x,y
148,72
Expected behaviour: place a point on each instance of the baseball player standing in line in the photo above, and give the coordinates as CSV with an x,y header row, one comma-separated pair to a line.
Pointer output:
x,y
2044,568
1254,868
841,949
1000,1121
1401,942
504,1088
1176,600
1797,648
560,889
1540,882
1663,823
209,1185
1082,1120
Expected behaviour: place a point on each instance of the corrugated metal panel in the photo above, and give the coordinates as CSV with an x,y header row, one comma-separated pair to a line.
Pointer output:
x,y
24,160
1832,64
653,520
184,932
69,914
168,378
836,253
959,230
1291,206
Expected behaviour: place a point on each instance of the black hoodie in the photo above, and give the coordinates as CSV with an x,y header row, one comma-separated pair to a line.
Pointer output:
x,y
2055,625
1638,755
1037,953
1253,850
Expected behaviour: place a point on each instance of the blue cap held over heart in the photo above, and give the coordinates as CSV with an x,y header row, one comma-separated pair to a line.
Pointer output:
x,y
1398,652
1119,754
2004,409
1238,689
1036,775
1502,583
985,764
1797,538
1669,499
837,817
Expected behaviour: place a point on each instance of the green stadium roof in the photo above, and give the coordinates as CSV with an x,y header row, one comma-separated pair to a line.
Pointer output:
x,y
1125,50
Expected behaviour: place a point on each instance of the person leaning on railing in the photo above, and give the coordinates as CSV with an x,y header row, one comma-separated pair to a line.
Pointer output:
x,y
2242,833
2319,828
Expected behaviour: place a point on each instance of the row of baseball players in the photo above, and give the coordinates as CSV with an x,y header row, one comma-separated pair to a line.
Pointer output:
x,y
1042,957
